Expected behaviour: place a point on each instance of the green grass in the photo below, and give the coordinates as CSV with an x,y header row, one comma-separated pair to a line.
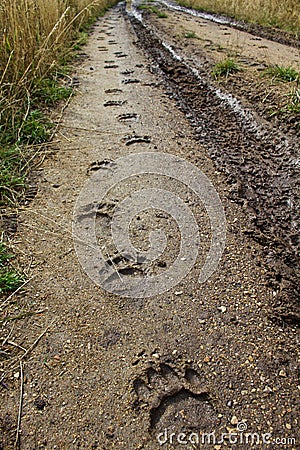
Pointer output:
x,y
35,128
143,6
286,74
225,68
160,14
81,40
15,148
291,108
10,278
190,35
12,181
294,101
28,127
4,254
49,92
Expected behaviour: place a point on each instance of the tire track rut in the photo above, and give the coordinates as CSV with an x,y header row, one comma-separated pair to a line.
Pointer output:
x,y
261,163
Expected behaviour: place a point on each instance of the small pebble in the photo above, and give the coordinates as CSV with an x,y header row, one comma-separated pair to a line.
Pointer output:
x,y
234,420
267,389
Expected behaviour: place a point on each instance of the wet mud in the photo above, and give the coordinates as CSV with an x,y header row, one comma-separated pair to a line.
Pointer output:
x,y
262,166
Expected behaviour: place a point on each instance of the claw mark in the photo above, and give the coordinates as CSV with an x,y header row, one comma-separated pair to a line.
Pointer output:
x,y
127,117
120,55
127,72
129,271
130,81
127,262
111,66
113,91
104,164
115,103
105,209
136,139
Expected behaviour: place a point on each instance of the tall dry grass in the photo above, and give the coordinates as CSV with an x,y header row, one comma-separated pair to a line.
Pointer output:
x,y
34,35
283,14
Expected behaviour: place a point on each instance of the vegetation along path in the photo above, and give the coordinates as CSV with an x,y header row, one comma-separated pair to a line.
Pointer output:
x,y
162,307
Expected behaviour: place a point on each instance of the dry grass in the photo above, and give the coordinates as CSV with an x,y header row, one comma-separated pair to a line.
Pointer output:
x,y
35,32
277,13
33,39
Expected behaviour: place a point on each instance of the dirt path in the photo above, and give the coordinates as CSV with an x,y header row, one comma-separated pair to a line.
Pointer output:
x,y
127,371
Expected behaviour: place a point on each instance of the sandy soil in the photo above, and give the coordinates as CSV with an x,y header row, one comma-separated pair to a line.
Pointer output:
x,y
111,371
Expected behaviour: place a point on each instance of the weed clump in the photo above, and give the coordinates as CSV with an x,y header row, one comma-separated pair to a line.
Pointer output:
x,y
160,14
280,73
190,35
225,68
10,279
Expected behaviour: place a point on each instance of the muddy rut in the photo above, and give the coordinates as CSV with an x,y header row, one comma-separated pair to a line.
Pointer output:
x,y
262,164
142,371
